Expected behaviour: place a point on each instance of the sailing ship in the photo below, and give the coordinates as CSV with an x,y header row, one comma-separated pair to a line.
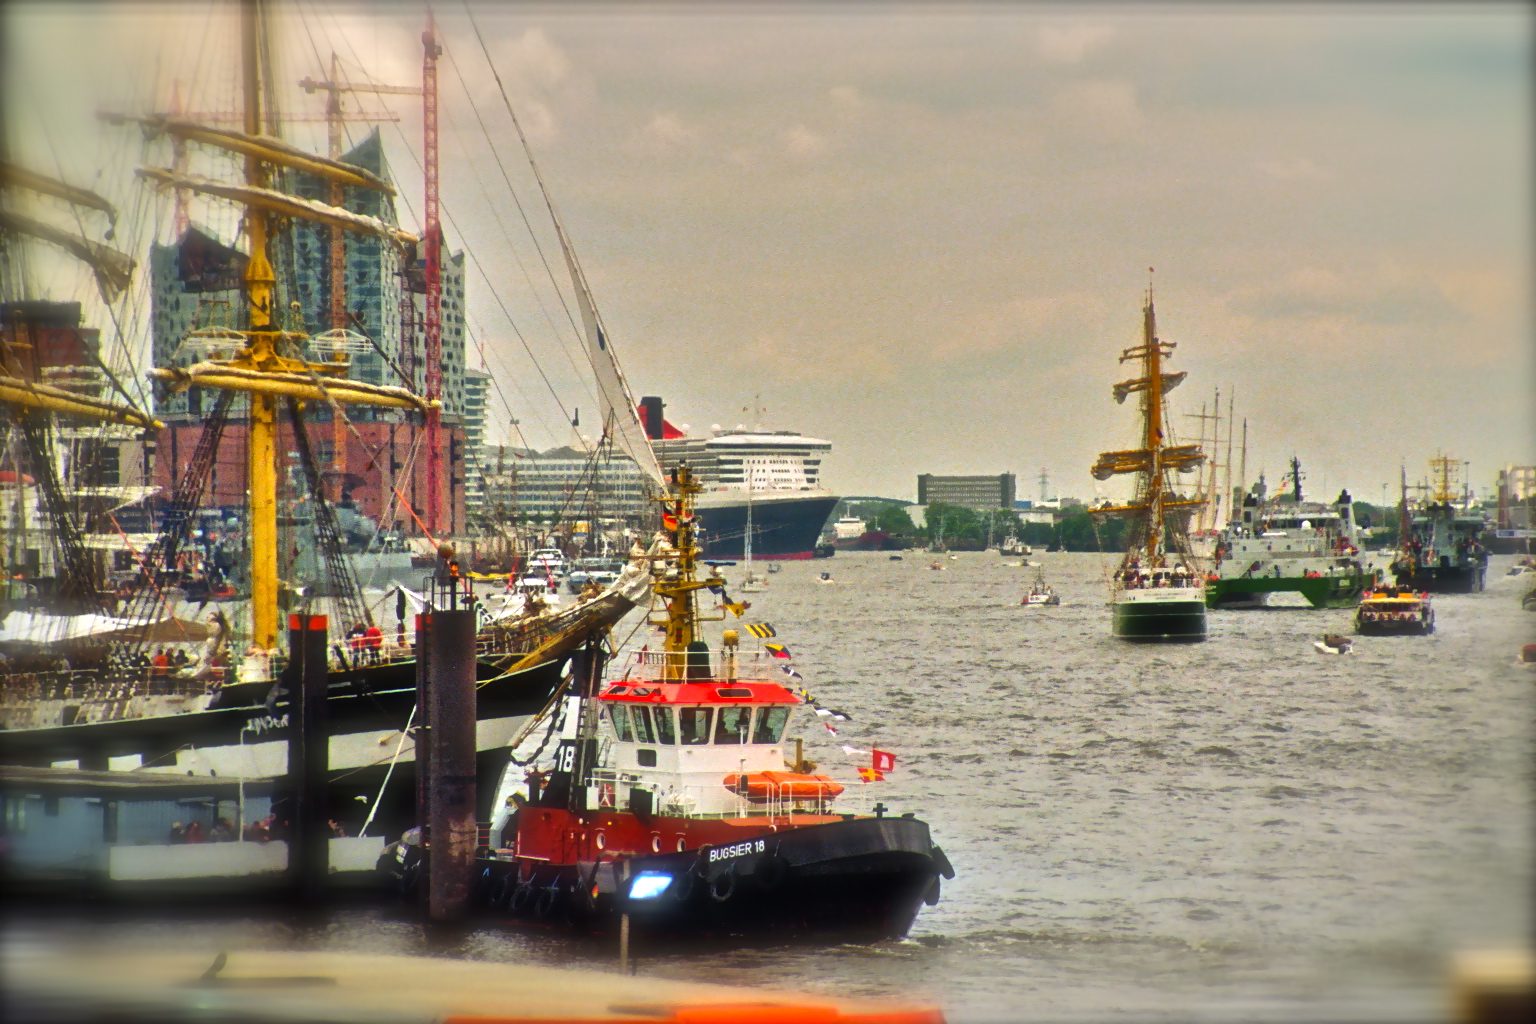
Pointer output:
x,y
752,583
1156,593
666,797
108,707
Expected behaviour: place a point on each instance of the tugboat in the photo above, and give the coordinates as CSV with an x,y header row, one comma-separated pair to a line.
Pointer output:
x,y
669,800
1156,595
1391,610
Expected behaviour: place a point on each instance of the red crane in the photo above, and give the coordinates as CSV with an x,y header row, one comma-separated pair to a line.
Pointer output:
x,y
433,236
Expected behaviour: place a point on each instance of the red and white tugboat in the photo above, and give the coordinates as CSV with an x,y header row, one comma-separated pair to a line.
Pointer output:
x,y
669,799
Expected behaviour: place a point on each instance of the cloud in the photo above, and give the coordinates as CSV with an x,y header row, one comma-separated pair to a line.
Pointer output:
x,y
848,98
1294,169
669,128
1069,44
803,144
1106,108
1319,295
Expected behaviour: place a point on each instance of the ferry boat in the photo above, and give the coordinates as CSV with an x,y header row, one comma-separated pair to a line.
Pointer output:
x,y
1309,548
668,798
777,473
1156,595
1393,610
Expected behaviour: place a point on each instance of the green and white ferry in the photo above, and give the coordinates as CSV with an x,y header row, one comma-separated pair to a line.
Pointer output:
x,y
1156,595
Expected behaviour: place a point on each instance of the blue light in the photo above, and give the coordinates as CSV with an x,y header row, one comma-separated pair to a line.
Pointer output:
x,y
647,885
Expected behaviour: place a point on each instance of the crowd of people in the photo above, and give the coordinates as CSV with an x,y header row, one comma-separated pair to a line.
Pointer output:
x,y
1136,576
224,831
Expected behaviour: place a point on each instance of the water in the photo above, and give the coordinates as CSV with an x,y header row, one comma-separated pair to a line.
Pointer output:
x,y
1242,828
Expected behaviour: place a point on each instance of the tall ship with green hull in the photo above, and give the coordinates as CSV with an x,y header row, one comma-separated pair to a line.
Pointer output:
x,y
1156,595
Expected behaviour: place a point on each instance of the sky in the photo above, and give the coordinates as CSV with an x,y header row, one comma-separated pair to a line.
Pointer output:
x,y
923,232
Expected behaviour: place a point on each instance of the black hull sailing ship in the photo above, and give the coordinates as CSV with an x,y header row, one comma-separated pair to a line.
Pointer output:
x,y
83,692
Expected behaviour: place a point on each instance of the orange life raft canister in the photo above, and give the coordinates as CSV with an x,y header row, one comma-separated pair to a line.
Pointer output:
x,y
758,786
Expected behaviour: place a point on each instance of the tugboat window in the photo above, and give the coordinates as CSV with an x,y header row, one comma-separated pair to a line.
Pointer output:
x,y
770,725
664,731
620,715
693,723
641,719
732,725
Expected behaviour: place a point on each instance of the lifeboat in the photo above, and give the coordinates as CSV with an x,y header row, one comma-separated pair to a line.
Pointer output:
x,y
781,785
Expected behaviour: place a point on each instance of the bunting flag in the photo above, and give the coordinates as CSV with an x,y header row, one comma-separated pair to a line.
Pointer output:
x,y
761,630
882,761
832,713
718,589
871,775
739,609
829,727
853,750
668,521
777,650
787,670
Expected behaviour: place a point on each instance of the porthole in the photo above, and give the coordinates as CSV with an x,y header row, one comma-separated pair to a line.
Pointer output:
x,y
681,845
655,842
602,841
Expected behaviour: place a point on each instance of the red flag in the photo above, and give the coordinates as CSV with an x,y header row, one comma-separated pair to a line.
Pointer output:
x,y
871,775
882,761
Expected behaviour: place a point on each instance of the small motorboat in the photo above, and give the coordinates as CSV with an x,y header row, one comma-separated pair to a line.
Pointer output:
x,y
1040,593
1333,643
895,558
1528,654
825,577
773,566
935,565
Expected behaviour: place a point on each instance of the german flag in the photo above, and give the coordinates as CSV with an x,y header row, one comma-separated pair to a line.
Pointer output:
x,y
761,630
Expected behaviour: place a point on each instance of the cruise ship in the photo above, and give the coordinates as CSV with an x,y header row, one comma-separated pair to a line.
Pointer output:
x,y
772,478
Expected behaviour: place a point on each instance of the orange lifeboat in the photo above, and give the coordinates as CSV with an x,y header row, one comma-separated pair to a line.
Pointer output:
x,y
759,786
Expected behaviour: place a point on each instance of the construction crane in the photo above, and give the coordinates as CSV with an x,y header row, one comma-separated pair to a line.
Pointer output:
x,y
433,236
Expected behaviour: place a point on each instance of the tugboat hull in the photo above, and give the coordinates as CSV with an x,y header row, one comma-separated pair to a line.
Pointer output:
x,y
1152,617
859,880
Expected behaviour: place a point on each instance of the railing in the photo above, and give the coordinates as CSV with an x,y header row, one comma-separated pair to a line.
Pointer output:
x,y
657,666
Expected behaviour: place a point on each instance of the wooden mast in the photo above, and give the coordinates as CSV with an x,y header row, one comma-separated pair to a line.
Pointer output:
x,y
259,283
1153,440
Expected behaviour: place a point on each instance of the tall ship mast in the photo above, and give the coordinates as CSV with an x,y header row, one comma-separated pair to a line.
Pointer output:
x,y
100,702
1157,594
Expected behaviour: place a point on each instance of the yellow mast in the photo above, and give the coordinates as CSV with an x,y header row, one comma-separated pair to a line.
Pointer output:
x,y
1153,459
678,591
269,366
1153,441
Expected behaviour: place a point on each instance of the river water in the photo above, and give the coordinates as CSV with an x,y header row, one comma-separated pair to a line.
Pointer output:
x,y
1238,829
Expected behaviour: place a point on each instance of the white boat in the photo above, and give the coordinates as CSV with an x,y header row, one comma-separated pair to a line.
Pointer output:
x,y
1040,593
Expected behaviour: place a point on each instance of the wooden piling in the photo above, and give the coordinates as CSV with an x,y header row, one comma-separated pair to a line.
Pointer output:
x,y
448,768
309,830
